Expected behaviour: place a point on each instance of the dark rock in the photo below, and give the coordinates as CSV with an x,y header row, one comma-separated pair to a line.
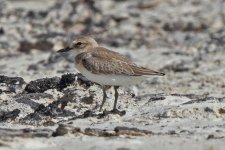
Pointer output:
x,y
88,100
76,130
42,112
12,133
114,44
218,38
90,113
28,101
117,132
131,131
98,132
211,136
35,96
11,80
43,45
119,18
207,109
36,15
2,31
65,129
11,84
153,97
222,111
9,115
195,98
41,85
171,132
222,99
191,96
184,26
32,67
41,133
87,114
63,104
67,80
44,36
67,97
49,123
60,131
53,110
214,43
114,111
31,119
181,66
156,97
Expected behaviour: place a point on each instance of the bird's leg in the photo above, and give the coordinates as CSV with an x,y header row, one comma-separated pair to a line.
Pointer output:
x,y
104,88
116,97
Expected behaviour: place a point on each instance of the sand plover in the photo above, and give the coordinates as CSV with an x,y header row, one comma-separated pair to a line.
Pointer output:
x,y
105,67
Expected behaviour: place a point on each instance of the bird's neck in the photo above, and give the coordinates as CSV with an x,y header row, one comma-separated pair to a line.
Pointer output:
x,y
87,49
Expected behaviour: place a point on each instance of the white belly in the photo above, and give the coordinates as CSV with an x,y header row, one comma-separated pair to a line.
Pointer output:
x,y
114,80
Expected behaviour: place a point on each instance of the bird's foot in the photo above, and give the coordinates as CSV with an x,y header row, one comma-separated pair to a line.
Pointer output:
x,y
116,111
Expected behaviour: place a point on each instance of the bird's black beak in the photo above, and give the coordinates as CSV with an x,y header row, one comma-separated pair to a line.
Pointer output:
x,y
64,50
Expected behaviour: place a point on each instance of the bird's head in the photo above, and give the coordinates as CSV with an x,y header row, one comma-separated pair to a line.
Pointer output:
x,y
79,45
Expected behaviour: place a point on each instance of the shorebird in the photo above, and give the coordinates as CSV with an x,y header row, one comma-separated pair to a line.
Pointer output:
x,y
106,67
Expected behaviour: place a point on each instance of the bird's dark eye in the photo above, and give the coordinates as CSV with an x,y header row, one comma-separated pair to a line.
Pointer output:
x,y
78,43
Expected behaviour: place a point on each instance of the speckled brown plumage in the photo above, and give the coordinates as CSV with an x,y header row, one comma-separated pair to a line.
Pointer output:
x,y
103,61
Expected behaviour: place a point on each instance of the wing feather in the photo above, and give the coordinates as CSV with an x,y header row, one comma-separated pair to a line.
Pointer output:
x,y
145,71
103,61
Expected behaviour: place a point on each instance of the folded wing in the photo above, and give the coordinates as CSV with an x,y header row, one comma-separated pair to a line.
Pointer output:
x,y
103,61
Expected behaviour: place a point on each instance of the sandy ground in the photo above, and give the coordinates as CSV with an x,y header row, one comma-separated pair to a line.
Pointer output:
x,y
44,107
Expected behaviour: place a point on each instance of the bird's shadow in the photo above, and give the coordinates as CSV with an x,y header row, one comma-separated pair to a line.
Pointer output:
x,y
99,115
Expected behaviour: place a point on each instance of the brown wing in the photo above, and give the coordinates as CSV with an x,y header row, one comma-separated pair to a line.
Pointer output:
x,y
103,61
104,53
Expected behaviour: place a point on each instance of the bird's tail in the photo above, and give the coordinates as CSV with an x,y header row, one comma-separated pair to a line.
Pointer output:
x,y
145,71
